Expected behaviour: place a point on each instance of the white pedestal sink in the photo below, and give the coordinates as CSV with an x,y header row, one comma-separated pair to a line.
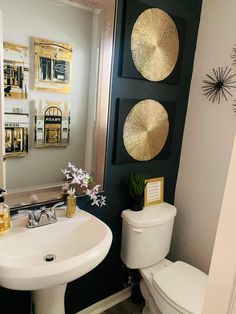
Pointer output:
x,y
77,245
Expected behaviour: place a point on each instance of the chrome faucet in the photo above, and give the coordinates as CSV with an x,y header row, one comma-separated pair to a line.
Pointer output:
x,y
41,217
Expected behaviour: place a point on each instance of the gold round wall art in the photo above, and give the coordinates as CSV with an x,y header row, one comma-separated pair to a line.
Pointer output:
x,y
145,130
154,44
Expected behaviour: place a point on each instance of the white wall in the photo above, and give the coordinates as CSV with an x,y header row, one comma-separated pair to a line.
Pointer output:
x,y
38,18
207,142
221,290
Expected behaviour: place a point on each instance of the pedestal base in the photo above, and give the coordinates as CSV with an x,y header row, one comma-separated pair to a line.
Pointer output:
x,y
49,301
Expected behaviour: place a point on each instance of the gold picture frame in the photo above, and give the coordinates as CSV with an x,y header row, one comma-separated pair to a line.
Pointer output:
x,y
52,66
16,70
154,191
16,133
52,123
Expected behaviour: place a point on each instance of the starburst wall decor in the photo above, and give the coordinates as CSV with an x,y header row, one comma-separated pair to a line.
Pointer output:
x,y
219,84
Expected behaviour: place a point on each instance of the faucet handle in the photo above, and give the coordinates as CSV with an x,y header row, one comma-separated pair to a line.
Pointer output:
x,y
32,221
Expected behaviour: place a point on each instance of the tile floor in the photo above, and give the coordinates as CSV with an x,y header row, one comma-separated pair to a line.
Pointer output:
x,y
125,307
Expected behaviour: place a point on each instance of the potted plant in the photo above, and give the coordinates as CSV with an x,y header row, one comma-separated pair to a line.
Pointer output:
x,y
136,184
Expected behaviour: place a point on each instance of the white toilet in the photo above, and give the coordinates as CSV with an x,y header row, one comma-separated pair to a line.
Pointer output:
x,y
168,288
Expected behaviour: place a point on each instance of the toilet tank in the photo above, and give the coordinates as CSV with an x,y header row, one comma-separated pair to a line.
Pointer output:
x,y
146,235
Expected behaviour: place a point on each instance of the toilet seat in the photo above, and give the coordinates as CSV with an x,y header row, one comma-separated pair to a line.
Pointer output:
x,y
182,286
165,302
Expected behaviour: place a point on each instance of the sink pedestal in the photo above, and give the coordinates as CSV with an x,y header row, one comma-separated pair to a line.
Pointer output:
x,y
49,301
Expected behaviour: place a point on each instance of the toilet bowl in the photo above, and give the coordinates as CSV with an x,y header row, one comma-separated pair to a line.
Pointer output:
x,y
167,287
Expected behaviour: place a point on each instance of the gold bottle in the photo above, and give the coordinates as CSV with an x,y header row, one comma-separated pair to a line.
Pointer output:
x,y
4,214
70,206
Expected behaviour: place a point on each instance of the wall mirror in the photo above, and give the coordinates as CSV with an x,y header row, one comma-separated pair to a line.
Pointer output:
x,y
54,105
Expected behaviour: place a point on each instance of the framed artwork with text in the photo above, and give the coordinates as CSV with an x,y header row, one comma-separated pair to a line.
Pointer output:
x,y
154,191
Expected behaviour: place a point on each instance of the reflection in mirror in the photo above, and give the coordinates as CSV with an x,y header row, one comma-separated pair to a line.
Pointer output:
x,y
56,89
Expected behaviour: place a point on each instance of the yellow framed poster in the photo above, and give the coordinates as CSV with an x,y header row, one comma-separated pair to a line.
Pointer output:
x,y
16,70
154,191
52,123
52,66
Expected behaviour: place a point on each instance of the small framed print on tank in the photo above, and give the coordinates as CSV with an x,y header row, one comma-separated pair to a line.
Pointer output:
x,y
154,191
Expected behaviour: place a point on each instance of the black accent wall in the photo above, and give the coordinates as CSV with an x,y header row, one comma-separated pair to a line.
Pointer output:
x,y
108,277
105,279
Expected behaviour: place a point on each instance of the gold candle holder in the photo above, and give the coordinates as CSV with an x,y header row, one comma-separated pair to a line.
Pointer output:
x,y
70,206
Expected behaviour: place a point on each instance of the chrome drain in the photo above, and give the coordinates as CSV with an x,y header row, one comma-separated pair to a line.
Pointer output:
x,y
49,258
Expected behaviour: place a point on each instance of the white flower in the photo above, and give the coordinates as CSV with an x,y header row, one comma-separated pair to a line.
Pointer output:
x,y
70,165
95,188
92,194
64,171
95,202
80,171
71,191
82,179
87,192
103,201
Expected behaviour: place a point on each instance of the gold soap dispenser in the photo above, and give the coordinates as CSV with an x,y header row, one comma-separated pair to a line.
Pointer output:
x,y
4,214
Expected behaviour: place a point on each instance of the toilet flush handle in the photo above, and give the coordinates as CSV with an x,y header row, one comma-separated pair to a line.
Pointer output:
x,y
138,230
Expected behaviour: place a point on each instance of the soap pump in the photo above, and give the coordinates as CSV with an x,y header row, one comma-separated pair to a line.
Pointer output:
x,y
4,214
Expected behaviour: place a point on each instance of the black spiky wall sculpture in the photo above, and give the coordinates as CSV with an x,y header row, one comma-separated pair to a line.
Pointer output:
x,y
219,84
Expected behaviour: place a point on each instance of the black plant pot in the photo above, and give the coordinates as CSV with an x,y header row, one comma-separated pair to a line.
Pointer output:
x,y
137,203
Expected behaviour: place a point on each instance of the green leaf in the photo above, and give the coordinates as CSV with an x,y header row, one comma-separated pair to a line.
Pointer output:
x,y
136,184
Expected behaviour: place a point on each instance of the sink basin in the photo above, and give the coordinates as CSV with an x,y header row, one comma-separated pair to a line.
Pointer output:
x,y
79,244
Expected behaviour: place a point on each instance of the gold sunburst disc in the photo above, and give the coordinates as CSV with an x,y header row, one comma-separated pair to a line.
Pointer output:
x,y
154,44
145,130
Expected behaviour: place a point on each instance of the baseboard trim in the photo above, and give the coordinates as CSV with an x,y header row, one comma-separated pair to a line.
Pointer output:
x,y
107,303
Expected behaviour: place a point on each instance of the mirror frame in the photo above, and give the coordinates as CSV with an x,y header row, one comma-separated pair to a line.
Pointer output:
x,y
107,9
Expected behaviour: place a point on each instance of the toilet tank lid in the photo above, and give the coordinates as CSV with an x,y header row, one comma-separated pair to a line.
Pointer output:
x,y
182,284
149,216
